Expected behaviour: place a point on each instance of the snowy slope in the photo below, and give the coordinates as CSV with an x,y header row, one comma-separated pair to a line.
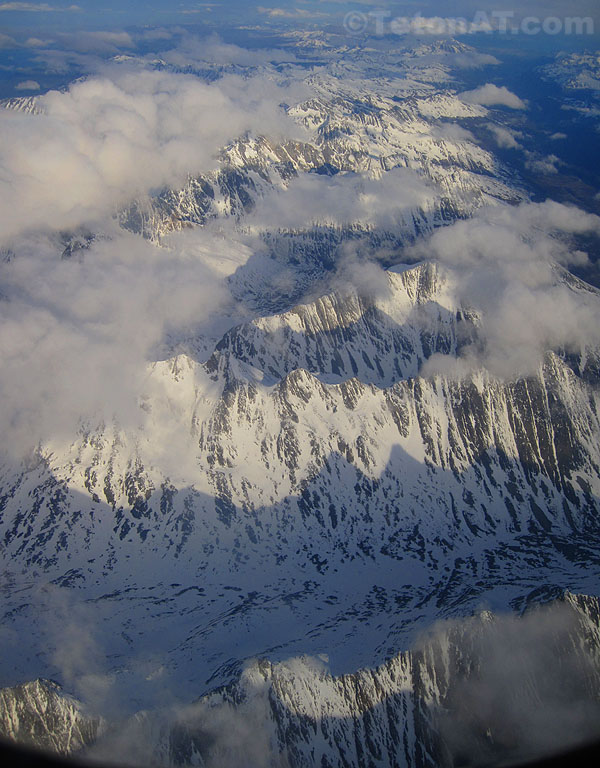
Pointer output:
x,y
351,128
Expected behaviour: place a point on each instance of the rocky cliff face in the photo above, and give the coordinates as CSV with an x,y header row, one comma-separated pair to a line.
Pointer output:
x,y
325,404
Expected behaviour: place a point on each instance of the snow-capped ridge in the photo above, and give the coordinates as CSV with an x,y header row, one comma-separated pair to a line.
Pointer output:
x,y
39,714
379,339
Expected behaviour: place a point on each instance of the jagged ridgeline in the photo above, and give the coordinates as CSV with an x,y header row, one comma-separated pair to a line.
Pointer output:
x,y
484,690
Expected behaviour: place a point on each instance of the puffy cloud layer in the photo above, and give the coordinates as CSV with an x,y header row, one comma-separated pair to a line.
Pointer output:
x,y
76,335
111,138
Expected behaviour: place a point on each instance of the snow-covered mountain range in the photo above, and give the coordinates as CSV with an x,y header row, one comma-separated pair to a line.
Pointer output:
x,y
317,484
312,476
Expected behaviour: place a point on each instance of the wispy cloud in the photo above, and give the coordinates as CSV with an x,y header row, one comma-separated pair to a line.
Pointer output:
x,y
6,41
290,13
37,7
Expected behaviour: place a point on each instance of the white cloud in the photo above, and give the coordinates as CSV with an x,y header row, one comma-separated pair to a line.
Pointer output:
x,y
120,39
76,336
286,13
529,694
452,132
101,42
345,199
504,137
28,85
6,41
105,141
489,95
542,165
214,50
36,42
501,263
470,60
70,629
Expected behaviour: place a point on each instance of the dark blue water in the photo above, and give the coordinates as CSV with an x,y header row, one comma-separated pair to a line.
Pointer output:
x,y
578,177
